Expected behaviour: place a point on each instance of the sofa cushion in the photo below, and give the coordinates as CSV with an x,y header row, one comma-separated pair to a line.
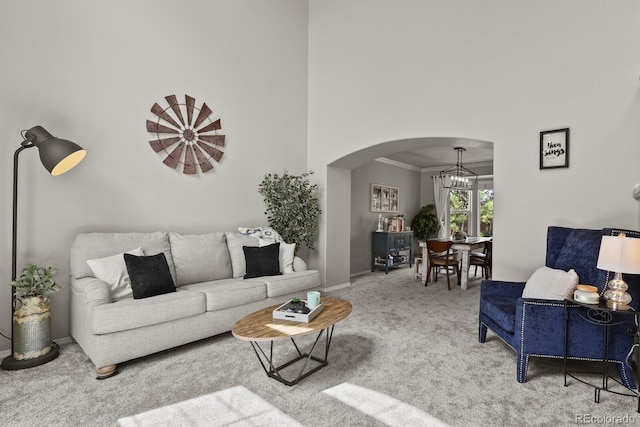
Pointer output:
x,y
113,271
287,254
228,293
99,245
200,257
136,313
235,242
149,275
289,283
262,261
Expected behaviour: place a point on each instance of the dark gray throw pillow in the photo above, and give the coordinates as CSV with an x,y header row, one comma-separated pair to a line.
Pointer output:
x,y
262,260
149,275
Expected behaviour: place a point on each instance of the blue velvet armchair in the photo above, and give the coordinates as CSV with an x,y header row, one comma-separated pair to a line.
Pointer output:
x,y
535,327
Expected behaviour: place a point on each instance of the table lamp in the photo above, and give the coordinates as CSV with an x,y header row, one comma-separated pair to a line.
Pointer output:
x,y
57,156
619,254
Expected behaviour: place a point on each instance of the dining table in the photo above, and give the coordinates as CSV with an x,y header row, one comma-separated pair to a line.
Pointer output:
x,y
464,248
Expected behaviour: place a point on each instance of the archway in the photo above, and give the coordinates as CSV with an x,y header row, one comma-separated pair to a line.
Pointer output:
x,y
337,229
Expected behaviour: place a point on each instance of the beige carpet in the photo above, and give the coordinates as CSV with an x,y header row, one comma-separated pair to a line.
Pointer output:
x,y
407,355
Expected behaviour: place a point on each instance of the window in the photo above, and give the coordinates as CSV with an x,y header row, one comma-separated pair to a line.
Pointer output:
x,y
471,211
485,200
459,210
484,212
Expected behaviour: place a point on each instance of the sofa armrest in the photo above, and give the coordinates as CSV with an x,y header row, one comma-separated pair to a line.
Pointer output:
x,y
491,288
93,291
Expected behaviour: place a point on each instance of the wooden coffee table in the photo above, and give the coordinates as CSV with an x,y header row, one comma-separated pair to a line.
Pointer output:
x,y
261,326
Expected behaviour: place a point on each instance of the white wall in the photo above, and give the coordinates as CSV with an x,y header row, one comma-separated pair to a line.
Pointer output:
x,y
90,72
495,70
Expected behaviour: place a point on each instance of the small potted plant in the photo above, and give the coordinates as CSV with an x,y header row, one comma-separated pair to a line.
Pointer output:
x,y
32,320
298,306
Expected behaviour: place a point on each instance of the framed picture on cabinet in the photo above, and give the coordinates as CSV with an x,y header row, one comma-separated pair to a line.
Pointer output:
x,y
384,198
554,149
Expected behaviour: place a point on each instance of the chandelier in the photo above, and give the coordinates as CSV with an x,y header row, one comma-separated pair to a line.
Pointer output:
x,y
458,177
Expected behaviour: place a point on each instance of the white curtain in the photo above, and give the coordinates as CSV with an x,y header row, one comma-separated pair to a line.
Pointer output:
x,y
442,200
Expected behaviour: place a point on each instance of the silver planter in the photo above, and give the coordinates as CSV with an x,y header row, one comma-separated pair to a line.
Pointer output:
x,y
32,328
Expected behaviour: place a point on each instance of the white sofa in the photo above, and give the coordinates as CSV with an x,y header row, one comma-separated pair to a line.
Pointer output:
x,y
211,294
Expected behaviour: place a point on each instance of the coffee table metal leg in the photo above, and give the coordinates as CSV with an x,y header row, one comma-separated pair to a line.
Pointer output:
x,y
274,371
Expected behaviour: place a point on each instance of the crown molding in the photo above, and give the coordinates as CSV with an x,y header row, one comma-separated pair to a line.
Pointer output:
x,y
397,164
429,169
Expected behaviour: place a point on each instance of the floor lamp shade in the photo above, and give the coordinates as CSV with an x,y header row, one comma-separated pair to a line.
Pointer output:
x,y
57,156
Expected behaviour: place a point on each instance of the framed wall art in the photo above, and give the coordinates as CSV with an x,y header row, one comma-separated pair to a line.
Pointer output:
x,y
384,198
554,149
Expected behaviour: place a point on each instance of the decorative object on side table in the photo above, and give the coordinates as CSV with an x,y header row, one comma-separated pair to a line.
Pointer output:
x,y
619,254
586,294
193,142
57,156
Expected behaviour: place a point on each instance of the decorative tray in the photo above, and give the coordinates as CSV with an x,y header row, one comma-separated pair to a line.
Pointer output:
x,y
285,312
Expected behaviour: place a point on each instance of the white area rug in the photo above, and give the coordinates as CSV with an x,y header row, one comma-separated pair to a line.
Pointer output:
x,y
234,406
384,408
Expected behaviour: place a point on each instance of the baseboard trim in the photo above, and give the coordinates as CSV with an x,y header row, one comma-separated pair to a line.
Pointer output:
x,y
336,287
361,273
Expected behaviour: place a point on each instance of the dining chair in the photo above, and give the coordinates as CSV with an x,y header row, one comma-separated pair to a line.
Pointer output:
x,y
441,256
482,260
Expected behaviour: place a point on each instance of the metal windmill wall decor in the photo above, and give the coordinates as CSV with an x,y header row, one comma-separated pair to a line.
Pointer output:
x,y
189,141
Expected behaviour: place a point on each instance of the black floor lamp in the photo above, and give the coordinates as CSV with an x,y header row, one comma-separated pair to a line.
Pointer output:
x,y
57,156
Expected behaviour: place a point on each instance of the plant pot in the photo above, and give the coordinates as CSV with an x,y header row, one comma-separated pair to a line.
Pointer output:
x,y
32,328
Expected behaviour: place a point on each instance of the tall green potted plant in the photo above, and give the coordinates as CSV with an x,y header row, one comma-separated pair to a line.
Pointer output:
x,y
292,207
32,320
425,224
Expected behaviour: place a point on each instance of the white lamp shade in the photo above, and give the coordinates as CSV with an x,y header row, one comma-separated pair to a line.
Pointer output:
x,y
619,254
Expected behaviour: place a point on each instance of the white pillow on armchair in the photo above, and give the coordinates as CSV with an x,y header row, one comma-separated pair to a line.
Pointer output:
x,y
548,283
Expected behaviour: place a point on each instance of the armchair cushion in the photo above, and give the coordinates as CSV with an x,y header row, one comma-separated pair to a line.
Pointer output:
x,y
549,283
501,310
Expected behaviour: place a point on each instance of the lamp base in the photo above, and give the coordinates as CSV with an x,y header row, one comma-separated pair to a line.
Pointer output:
x,y
9,363
616,305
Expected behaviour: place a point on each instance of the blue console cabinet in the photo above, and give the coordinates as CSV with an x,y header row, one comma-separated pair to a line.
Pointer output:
x,y
391,249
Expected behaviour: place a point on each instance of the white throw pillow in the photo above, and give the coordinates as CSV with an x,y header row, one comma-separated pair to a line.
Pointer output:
x,y
548,283
287,251
235,242
265,235
299,264
113,271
